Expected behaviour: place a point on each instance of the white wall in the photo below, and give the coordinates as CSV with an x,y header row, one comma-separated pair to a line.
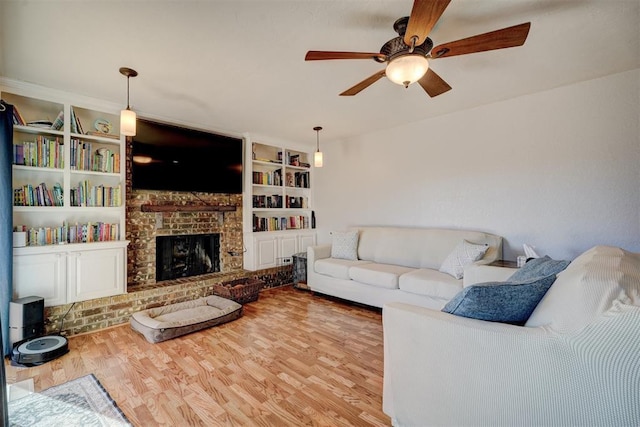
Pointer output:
x,y
559,170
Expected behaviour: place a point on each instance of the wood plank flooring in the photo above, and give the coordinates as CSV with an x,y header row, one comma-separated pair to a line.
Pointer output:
x,y
292,359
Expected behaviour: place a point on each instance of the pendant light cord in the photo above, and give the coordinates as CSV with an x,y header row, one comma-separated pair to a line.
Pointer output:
x,y
317,129
128,106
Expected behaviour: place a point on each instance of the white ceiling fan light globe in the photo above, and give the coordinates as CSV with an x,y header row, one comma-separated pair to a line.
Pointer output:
x,y
407,69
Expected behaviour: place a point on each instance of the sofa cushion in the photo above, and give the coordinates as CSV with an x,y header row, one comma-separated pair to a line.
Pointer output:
x,y
538,267
426,281
381,275
338,268
419,247
344,245
464,254
588,287
506,302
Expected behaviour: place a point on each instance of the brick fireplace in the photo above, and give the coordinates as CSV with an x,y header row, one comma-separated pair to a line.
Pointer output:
x,y
179,214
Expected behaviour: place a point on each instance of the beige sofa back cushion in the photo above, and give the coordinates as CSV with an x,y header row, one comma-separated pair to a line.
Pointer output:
x,y
419,247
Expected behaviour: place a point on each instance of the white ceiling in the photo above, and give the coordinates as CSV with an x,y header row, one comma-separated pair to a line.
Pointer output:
x,y
238,66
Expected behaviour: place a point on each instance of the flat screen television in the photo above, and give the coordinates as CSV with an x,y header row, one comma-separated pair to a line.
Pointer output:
x,y
173,158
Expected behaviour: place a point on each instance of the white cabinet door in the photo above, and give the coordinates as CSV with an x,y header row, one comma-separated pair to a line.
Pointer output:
x,y
276,249
306,240
42,275
95,274
62,274
288,246
266,251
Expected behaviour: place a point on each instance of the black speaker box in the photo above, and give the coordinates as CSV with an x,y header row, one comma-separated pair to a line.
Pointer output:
x,y
26,318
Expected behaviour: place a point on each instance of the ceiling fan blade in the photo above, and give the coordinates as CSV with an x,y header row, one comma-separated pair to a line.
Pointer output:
x,y
316,55
424,15
433,84
499,39
363,84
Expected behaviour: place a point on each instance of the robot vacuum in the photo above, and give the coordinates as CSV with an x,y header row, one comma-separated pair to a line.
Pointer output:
x,y
36,351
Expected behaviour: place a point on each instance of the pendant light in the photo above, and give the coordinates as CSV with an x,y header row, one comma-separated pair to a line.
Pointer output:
x,y
317,156
127,116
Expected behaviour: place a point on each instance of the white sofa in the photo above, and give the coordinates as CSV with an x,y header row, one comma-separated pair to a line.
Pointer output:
x,y
575,362
395,264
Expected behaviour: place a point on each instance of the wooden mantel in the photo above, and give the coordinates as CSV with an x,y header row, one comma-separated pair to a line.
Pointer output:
x,y
186,208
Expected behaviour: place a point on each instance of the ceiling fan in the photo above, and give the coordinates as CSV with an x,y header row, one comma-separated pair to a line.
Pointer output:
x,y
407,56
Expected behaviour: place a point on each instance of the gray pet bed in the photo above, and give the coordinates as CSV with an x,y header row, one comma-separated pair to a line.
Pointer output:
x,y
170,321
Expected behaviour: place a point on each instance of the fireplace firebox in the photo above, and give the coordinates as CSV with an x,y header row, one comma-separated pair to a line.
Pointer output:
x,y
187,255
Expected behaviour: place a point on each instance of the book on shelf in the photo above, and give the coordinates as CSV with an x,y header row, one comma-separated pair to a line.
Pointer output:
x,y
17,117
79,124
43,152
301,179
73,126
268,178
105,135
18,197
39,195
75,233
47,196
86,195
296,202
263,201
58,123
297,179
58,195
83,157
44,124
18,154
294,222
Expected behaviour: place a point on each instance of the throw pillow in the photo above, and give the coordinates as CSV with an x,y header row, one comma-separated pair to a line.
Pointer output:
x,y
506,302
464,254
344,245
538,267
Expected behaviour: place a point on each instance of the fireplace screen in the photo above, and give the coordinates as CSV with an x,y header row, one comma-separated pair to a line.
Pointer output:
x,y
187,255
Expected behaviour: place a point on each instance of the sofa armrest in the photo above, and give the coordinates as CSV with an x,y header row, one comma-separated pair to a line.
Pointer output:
x,y
437,366
317,252
479,273
441,369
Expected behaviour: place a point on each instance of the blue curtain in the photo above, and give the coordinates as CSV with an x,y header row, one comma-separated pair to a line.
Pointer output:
x,y
6,221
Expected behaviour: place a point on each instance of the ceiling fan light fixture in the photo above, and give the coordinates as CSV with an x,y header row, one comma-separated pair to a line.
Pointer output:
x,y
407,69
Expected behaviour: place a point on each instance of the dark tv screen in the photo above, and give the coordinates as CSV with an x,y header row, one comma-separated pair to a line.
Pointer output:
x,y
172,158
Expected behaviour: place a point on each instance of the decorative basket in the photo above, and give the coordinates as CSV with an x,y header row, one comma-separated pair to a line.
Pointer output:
x,y
241,291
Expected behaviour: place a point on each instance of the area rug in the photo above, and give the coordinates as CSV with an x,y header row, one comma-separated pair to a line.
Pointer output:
x,y
80,402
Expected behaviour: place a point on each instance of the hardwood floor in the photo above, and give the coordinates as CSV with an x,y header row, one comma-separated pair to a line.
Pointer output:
x,y
292,359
